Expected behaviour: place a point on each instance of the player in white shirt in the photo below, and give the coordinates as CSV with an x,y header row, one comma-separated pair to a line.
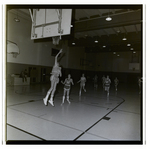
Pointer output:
x,y
116,82
103,81
95,79
67,85
82,84
107,85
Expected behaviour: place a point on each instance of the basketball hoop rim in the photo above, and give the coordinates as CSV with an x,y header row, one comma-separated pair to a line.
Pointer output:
x,y
15,54
56,40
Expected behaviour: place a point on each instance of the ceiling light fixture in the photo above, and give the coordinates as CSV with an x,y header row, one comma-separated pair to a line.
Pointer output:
x,y
108,18
118,55
114,53
131,49
96,41
134,52
124,38
104,46
17,19
128,44
73,43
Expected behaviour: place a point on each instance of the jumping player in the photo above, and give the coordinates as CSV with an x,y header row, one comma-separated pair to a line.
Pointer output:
x,y
56,72
82,84
116,82
67,85
107,85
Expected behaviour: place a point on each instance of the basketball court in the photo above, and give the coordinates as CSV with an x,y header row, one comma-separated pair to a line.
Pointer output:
x,y
92,116
90,45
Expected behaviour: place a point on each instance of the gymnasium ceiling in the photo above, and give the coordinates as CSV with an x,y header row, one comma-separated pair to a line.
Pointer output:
x,y
89,24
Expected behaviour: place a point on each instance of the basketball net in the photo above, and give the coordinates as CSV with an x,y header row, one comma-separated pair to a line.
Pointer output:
x,y
56,40
15,54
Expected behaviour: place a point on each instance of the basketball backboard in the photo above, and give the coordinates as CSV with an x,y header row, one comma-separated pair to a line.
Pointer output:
x,y
50,22
134,66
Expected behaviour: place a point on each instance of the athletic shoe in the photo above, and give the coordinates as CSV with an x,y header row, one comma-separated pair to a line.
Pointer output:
x,y
62,103
79,93
68,101
107,94
45,102
51,102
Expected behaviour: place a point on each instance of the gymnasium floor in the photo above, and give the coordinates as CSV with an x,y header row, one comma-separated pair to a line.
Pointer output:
x,y
93,117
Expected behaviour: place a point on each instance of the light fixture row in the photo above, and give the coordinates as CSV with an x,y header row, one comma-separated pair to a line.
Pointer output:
x,y
124,38
119,54
130,49
116,53
118,31
104,46
113,52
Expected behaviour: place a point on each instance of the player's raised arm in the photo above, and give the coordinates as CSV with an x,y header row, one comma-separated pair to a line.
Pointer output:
x,y
56,57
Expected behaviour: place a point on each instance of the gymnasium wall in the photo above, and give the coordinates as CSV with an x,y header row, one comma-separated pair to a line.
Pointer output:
x,y
31,52
112,62
36,58
74,57
104,64
20,34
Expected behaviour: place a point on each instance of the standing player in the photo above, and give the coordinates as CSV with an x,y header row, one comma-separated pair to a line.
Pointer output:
x,y
95,82
107,85
116,82
67,85
82,84
56,72
140,80
103,81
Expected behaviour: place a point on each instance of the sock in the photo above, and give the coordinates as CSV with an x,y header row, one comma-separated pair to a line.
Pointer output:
x,y
68,99
63,99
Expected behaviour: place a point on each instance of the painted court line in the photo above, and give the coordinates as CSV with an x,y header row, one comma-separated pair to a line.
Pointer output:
x,y
26,132
98,121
